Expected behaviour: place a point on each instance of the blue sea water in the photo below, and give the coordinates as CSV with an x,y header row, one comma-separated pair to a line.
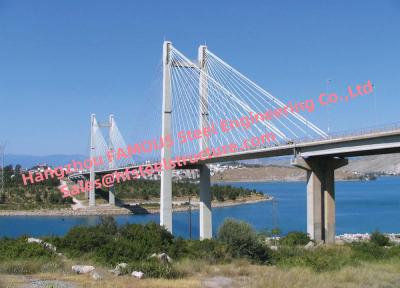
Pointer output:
x,y
361,206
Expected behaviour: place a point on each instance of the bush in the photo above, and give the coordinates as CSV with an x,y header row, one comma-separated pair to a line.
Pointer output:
x,y
379,239
20,249
319,259
238,235
210,250
84,240
294,239
241,240
153,268
17,256
369,251
109,244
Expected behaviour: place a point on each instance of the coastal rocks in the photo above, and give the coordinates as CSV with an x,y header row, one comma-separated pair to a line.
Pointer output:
x,y
82,269
120,269
43,243
162,257
138,274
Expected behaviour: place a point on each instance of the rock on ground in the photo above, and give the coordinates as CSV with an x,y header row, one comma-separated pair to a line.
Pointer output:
x,y
120,269
163,257
95,275
138,274
43,243
309,245
82,269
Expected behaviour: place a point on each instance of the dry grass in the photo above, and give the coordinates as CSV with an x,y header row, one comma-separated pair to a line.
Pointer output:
x,y
242,273
366,275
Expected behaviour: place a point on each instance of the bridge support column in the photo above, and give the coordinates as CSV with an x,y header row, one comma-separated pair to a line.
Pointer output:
x,y
92,200
321,195
166,174
205,191
205,203
111,190
111,195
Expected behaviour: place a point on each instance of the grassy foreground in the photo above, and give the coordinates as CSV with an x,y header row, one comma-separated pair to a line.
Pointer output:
x,y
238,257
239,274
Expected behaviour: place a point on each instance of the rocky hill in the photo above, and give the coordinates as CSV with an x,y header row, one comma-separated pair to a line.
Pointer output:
x,y
387,164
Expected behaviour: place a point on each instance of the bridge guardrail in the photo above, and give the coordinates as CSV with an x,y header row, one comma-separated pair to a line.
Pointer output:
x,y
335,135
347,133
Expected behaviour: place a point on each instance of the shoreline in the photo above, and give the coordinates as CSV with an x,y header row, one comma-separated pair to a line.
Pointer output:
x,y
106,210
276,181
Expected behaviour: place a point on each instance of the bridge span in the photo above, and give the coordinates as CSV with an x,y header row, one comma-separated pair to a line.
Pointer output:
x,y
319,158
208,90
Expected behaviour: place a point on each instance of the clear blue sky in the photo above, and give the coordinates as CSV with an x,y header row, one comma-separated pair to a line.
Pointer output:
x,y
60,61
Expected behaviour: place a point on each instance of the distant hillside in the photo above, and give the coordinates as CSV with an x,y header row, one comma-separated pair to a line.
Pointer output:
x,y
388,164
270,173
28,161
280,161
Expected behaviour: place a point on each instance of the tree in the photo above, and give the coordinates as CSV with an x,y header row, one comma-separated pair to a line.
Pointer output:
x,y
295,238
8,172
237,234
379,239
17,173
242,240
38,198
3,198
18,169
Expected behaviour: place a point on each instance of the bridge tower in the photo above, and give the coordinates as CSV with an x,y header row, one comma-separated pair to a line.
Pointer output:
x,y
205,191
92,201
111,190
94,147
166,174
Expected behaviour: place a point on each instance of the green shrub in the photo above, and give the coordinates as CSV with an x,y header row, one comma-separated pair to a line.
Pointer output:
x,y
320,259
211,250
369,251
19,249
379,239
153,268
295,238
81,239
236,234
242,241
109,244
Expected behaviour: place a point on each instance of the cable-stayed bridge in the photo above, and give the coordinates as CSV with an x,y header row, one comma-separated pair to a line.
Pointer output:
x,y
209,104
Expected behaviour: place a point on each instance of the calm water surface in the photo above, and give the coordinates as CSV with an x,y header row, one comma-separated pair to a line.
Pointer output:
x,y
360,207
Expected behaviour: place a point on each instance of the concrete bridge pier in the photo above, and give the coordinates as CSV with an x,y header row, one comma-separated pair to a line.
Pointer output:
x,y
166,174
111,190
111,195
320,195
92,200
205,203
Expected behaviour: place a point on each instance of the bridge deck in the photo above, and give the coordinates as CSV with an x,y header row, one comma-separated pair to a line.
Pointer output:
x,y
382,142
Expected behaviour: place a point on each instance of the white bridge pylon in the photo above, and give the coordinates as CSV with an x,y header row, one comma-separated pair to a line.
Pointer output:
x,y
100,147
207,93
230,96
